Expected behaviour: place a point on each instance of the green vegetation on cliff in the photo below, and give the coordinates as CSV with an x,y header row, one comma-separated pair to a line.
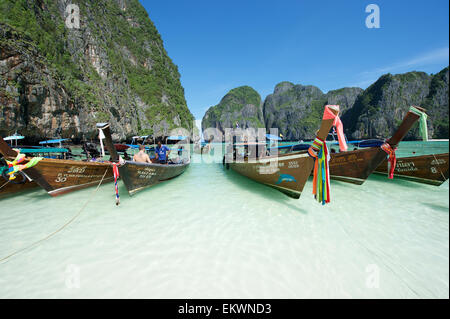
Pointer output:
x,y
296,110
242,105
114,66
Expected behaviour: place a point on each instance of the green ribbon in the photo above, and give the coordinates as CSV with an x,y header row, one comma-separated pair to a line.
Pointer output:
x,y
423,129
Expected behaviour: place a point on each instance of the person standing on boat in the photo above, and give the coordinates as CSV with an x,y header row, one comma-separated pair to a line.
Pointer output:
x,y
141,156
162,153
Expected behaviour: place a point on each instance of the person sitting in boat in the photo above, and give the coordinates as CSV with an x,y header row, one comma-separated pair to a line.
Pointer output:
x,y
162,153
141,156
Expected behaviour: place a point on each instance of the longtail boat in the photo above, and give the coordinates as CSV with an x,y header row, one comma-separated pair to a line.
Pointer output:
x,y
138,176
21,182
427,169
62,176
8,187
355,166
287,173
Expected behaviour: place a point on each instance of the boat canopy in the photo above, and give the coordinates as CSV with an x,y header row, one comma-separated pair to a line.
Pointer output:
x,y
176,138
273,137
369,143
14,137
135,147
43,150
54,141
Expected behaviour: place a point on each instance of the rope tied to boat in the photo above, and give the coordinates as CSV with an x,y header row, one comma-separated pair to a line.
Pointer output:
x,y
59,229
329,115
4,185
321,179
392,159
15,167
423,129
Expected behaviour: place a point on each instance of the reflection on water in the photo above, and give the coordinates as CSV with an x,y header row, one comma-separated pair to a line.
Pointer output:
x,y
213,233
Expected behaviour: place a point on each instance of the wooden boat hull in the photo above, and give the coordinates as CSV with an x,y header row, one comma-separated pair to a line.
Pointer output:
x,y
355,166
10,188
59,177
287,173
138,176
427,169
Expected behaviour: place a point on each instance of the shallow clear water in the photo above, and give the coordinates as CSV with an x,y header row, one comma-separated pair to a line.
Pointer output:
x,y
212,233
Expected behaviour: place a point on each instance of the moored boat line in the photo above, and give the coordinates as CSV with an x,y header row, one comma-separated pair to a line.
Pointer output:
x,y
285,171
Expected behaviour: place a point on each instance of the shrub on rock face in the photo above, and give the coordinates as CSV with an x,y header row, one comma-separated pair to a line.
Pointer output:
x,y
114,67
376,112
241,105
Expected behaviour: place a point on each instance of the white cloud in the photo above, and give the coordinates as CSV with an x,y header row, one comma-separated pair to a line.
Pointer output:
x,y
429,58
432,57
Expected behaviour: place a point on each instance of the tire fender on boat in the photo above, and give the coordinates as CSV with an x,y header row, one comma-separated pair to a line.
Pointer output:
x,y
18,180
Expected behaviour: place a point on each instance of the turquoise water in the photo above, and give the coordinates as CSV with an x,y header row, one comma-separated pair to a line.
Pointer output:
x,y
212,233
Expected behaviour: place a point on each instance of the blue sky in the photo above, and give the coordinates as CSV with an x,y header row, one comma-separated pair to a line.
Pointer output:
x,y
219,45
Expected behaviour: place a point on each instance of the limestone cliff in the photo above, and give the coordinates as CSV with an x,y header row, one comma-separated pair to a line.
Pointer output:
x,y
381,107
55,79
241,105
296,109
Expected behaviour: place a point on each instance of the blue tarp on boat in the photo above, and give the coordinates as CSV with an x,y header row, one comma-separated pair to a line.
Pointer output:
x,y
176,138
43,150
14,137
54,141
273,137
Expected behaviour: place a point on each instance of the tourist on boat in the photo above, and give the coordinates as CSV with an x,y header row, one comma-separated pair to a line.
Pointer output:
x,y
141,156
162,153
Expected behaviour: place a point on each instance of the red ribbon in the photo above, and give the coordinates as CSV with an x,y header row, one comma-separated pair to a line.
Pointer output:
x,y
392,159
116,186
327,115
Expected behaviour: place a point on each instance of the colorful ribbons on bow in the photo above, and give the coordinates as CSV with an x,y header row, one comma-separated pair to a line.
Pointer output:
x,y
423,129
329,115
392,159
321,179
14,167
116,181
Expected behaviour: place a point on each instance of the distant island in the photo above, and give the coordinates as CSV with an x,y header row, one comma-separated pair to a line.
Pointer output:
x,y
375,112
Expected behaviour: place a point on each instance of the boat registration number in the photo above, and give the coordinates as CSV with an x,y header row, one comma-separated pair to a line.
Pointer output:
x,y
146,173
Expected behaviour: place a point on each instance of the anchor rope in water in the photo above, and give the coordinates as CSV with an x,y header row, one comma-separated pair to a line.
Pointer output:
x,y
59,229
